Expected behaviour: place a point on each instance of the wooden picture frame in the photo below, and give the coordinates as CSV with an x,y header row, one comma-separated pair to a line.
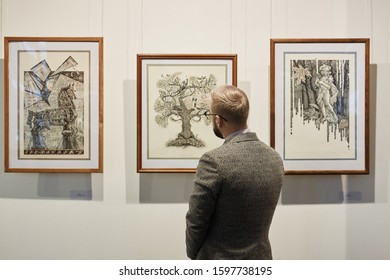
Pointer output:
x,y
320,104
53,104
173,129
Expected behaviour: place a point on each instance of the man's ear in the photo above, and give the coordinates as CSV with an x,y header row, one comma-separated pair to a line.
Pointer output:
x,y
218,120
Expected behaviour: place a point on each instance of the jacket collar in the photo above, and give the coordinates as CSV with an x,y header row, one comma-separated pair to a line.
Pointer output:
x,y
242,135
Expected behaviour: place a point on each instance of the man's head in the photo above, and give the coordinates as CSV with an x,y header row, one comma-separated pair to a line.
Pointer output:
x,y
231,106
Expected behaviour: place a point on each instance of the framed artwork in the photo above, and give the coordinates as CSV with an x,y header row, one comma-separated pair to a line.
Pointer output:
x,y
320,105
173,94
53,104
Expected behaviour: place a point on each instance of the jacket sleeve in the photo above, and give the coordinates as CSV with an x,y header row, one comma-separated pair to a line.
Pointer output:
x,y
201,204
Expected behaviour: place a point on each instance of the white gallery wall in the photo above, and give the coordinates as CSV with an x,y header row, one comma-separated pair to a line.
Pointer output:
x,y
121,214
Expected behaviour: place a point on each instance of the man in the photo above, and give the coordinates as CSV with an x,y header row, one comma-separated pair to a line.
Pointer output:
x,y
236,187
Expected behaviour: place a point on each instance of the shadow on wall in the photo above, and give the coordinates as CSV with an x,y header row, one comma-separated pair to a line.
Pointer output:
x,y
39,185
165,187
297,189
65,186
328,189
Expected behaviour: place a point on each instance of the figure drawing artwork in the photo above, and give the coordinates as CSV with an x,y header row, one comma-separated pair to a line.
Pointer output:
x,y
54,105
318,106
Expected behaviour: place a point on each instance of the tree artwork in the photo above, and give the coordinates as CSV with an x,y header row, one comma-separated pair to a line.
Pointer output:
x,y
183,100
320,94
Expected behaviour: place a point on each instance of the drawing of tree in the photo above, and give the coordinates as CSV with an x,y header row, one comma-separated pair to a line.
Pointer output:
x,y
183,100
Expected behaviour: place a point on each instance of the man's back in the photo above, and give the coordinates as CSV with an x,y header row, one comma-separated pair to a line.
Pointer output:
x,y
236,191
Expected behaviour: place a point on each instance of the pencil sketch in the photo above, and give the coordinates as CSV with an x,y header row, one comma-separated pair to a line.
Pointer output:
x,y
183,100
320,94
54,109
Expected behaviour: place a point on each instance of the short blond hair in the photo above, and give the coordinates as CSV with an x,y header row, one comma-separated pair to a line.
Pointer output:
x,y
231,103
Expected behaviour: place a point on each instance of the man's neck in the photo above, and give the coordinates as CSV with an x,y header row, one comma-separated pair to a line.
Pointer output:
x,y
236,131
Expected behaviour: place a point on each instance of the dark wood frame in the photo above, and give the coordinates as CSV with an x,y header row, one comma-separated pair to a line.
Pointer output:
x,y
274,109
98,98
171,57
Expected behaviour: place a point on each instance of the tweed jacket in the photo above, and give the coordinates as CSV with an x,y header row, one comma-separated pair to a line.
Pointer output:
x,y
236,190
